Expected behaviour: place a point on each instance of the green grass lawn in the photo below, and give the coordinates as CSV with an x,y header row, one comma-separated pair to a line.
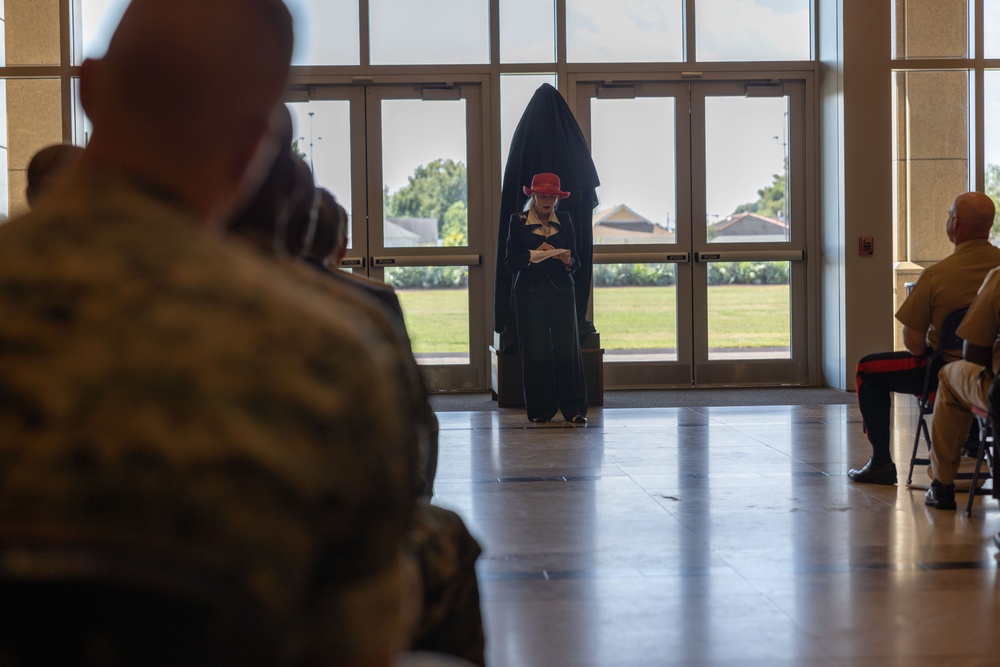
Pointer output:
x,y
629,318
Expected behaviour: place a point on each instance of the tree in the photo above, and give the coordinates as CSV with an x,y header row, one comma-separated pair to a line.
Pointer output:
x,y
993,190
770,200
454,232
431,191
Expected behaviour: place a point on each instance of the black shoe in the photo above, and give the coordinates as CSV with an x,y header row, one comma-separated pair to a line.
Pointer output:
x,y
539,420
871,474
940,496
577,419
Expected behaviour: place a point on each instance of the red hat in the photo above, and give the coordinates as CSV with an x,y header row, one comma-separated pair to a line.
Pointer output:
x,y
547,184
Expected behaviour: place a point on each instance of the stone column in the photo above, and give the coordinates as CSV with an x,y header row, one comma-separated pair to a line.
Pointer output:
x,y
33,105
931,128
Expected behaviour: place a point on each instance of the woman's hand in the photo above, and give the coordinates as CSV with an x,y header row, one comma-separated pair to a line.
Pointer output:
x,y
566,257
545,246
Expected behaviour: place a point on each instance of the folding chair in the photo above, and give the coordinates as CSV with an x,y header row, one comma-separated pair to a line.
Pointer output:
x,y
986,453
925,401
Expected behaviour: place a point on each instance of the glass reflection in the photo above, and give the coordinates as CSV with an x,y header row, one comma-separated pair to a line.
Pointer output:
x,y
527,31
598,31
742,30
424,173
327,32
749,310
442,32
635,306
322,137
746,170
991,28
435,301
515,93
638,196
991,152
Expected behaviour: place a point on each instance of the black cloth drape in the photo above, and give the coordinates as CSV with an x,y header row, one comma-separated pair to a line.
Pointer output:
x,y
547,139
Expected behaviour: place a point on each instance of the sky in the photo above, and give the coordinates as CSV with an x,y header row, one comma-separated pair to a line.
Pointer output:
x,y
629,139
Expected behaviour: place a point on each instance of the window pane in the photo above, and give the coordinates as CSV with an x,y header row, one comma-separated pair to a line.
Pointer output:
x,y
742,30
930,29
991,28
749,310
746,177
4,155
515,93
424,171
931,151
527,31
636,308
992,144
326,32
599,31
435,301
441,32
95,23
323,138
638,198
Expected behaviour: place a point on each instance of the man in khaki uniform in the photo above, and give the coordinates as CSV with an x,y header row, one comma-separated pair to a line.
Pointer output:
x,y
962,384
942,288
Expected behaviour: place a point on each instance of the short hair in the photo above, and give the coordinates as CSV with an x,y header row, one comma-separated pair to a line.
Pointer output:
x,y
302,205
260,215
45,165
331,227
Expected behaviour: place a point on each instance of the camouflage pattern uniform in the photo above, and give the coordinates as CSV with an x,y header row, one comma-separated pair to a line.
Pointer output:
x,y
446,554
164,391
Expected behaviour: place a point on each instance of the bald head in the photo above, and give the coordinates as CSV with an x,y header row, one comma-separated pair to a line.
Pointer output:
x,y
188,84
971,217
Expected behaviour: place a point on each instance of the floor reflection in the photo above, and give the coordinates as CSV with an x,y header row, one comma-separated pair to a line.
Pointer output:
x,y
713,536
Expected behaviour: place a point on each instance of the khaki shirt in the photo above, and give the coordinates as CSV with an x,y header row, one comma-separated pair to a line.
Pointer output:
x,y
946,286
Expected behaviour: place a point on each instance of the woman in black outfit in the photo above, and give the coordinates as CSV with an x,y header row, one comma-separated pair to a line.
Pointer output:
x,y
541,255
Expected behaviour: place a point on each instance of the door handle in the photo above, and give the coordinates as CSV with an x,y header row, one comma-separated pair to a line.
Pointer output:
x,y
751,256
426,260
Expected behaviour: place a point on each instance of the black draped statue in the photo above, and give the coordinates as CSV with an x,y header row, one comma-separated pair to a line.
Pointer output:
x,y
547,139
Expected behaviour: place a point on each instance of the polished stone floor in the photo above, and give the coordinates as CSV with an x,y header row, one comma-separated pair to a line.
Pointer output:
x,y
714,536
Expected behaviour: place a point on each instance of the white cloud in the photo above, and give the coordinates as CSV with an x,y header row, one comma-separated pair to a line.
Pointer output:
x,y
624,31
749,30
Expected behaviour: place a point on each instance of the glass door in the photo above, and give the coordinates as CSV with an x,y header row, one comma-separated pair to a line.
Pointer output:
x,y
416,214
699,237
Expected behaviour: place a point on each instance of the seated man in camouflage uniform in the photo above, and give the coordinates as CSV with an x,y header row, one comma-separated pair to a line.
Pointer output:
x,y
181,421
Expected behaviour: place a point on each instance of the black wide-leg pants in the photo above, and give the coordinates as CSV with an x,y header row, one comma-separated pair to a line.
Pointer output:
x,y
551,360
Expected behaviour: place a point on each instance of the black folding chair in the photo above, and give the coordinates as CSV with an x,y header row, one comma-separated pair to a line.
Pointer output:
x,y
987,421
949,341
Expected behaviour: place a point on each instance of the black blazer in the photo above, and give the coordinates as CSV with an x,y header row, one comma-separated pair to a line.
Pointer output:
x,y
521,239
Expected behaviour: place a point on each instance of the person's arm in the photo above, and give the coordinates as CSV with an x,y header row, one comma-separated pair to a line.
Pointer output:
x,y
571,262
518,257
915,341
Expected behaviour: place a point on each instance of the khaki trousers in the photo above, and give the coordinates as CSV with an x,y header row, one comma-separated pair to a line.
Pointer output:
x,y
961,385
